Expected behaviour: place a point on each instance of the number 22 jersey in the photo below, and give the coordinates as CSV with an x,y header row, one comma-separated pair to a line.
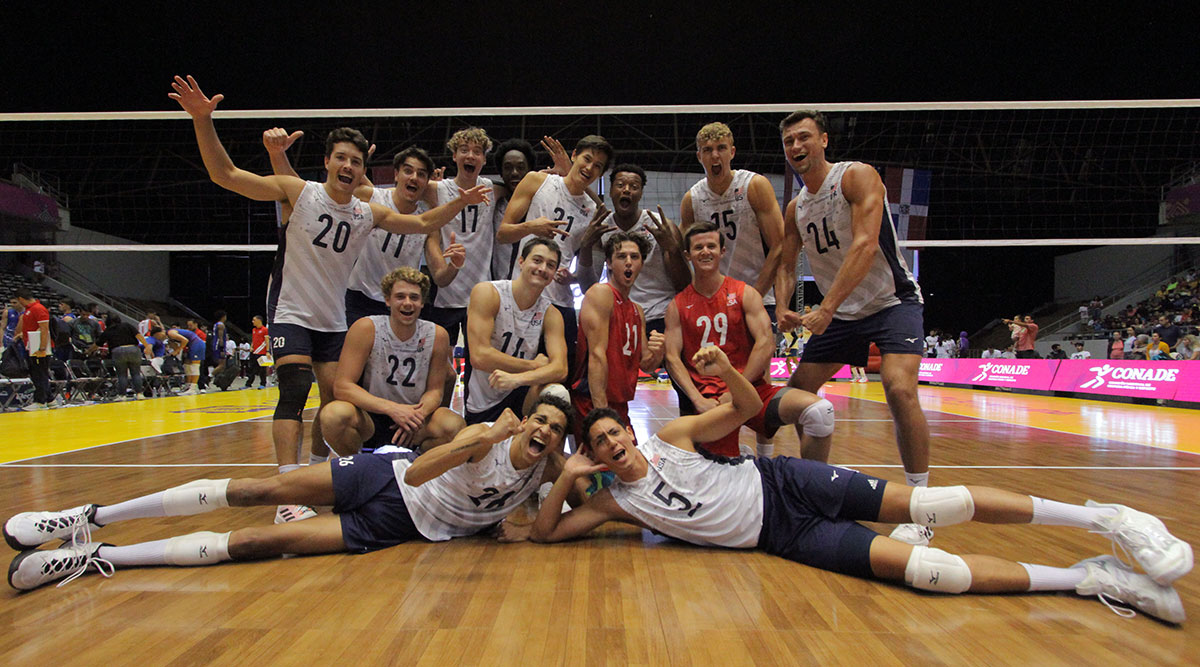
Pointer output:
x,y
396,369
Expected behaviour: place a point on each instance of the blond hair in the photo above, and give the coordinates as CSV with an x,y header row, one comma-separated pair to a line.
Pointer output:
x,y
406,274
712,132
468,135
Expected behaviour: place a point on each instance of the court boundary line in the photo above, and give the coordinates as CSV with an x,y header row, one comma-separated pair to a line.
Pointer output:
x,y
837,465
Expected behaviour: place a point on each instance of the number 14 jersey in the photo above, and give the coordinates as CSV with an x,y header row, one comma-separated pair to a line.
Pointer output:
x,y
717,320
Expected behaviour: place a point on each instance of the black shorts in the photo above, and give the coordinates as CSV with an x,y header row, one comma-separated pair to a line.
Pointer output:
x,y
385,428
369,504
811,512
450,319
894,330
515,400
359,305
571,334
294,339
658,324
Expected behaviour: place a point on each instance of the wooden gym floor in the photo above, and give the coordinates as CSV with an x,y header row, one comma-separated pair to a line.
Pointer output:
x,y
622,596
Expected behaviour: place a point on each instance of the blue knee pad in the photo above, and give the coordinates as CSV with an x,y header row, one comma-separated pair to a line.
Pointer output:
x,y
295,381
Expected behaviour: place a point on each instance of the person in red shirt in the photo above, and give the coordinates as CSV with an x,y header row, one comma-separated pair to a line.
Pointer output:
x,y
260,346
612,333
34,329
1027,333
718,310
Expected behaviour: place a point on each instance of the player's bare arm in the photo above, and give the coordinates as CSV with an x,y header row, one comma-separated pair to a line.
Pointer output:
x,y
770,222
785,278
432,220
653,345
439,368
588,273
555,370
481,321
470,444
277,141
759,325
594,318
687,215
670,243
444,264
552,525
684,432
673,360
511,229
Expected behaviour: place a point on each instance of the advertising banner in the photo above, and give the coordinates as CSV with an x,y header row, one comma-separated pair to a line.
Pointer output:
x,y
1036,374
1144,379
779,370
938,370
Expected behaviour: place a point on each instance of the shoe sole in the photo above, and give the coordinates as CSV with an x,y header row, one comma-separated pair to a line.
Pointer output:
x,y
16,565
13,542
1165,574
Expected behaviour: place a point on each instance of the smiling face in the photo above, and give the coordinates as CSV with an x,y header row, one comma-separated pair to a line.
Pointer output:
x,y
545,431
624,265
411,179
612,444
804,145
587,165
513,167
539,265
405,302
704,251
345,167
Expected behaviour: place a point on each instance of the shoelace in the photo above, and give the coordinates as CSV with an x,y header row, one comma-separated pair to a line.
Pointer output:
x,y
1123,612
89,557
1137,537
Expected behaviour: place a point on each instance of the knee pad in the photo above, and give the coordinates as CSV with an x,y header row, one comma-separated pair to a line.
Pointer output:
x,y
204,548
202,495
941,505
931,569
295,381
817,419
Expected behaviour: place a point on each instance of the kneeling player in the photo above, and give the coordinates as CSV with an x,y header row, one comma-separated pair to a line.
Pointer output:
x,y
458,489
807,511
391,375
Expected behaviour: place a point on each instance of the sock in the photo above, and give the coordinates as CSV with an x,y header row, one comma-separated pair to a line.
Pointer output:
x,y
313,459
288,468
1054,513
146,553
916,478
1046,578
766,450
144,507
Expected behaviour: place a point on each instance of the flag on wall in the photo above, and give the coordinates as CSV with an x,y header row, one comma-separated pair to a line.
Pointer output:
x,y
908,200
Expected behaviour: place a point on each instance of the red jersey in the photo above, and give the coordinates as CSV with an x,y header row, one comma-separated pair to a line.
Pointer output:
x,y
719,320
624,354
258,342
30,321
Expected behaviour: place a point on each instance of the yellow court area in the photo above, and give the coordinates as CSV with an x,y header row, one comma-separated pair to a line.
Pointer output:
x,y
1176,429
32,434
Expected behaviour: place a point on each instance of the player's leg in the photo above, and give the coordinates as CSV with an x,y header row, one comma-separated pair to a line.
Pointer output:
x,y
324,372
812,415
295,377
899,375
345,427
440,428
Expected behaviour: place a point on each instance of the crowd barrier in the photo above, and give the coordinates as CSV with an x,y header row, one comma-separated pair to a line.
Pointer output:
x,y
1167,380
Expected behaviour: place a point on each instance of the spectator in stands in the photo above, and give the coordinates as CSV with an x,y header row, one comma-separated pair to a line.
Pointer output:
x,y
1056,352
1140,343
34,329
947,348
931,343
84,330
125,348
1158,349
963,344
1168,331
1186,349
63,325
259,347
1131,344
1079,352
1095,308
1083,312
1014,331
12,317
1116,350
1026,337
96,315
1008,353
991,353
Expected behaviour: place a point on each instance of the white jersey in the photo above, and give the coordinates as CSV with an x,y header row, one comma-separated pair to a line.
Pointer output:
x,y
553,200
516,333
317,249
471,497
504,255
396,369
385,251
652,290
473,229
823,220
745,247
695,499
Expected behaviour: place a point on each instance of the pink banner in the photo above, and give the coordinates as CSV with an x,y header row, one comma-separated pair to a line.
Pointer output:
x,y
1189,386
938,370
1112,377
1036,374
22,203
779,370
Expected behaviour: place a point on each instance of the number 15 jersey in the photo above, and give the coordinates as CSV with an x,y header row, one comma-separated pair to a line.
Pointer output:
x,y
717,320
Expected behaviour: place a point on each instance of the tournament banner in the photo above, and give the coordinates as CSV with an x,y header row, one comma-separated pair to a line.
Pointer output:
x,y
779,370
1036,374
938,370
1144,379
1189,384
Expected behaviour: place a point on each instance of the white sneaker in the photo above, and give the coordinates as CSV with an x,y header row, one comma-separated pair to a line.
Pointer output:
x,y
190,391
556,390
290,513
1144,537
1109,580
914,534
34,407
31,529
35,567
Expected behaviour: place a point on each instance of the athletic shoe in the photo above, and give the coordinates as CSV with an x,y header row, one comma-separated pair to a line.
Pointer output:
x,y
556,390
35,567
1109,580
33,407
31,529
1143,537
914,534
290,513
190,391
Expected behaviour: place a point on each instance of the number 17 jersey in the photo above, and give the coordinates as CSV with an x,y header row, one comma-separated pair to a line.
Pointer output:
x,y
717,320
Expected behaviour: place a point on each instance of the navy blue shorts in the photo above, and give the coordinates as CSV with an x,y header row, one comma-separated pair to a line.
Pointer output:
x,y
515,400
894,330
811,510
359,305
368,501
294,339
385,428
451,319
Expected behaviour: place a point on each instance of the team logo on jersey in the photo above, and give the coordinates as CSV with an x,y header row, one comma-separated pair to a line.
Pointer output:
x,y
738,195
657,462
357,212
537,319
731,299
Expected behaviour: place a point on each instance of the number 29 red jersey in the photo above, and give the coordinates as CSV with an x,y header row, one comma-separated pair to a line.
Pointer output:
x,y
719,320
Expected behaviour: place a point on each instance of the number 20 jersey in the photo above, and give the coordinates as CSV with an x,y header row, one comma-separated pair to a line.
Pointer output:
x,y
516,333
823,220
317,249
396,369
719,320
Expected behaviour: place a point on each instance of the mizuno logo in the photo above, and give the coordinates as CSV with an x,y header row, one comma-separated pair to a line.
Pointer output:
x,y
203,498
934,576
204,552
873,483
835,476
931,518
912,340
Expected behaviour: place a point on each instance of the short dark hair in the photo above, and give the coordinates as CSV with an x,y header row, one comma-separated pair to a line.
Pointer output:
x,y
556,402
799,115
70,304
616,239
596,142
629,169
702,227
155,329
218,315
519,145
346,135
414,152
536,241
24,293
595,416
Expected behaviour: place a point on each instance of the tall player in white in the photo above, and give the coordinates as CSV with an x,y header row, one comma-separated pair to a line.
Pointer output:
x,y
743,204
318,245
390,376
841,216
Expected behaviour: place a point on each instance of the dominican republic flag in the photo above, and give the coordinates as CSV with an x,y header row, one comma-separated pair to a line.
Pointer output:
x,y
908,197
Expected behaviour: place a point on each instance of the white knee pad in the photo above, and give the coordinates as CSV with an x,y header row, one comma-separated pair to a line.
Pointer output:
x,y
205,548
202,495
941,505
935,570
817,419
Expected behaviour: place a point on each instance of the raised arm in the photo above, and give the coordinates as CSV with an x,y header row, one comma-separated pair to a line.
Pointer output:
x,y
684,432
653,345
444,264
481,321
673,360
759,324
594,320
670,244
511,228
471,443
785,278
588,273
432,220
770,222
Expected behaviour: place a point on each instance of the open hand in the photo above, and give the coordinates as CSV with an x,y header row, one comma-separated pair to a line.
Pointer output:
x,y
192,99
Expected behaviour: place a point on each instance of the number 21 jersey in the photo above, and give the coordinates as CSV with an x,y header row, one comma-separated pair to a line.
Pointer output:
x,y
553,200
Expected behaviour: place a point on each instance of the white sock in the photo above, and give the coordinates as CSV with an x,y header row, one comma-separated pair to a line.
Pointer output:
x,y
1054,513
288,468
1046,578
313,459
766,450
146,553
145,507
916,478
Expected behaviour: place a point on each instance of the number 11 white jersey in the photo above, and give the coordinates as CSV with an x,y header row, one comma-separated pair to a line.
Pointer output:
x,y
516,333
